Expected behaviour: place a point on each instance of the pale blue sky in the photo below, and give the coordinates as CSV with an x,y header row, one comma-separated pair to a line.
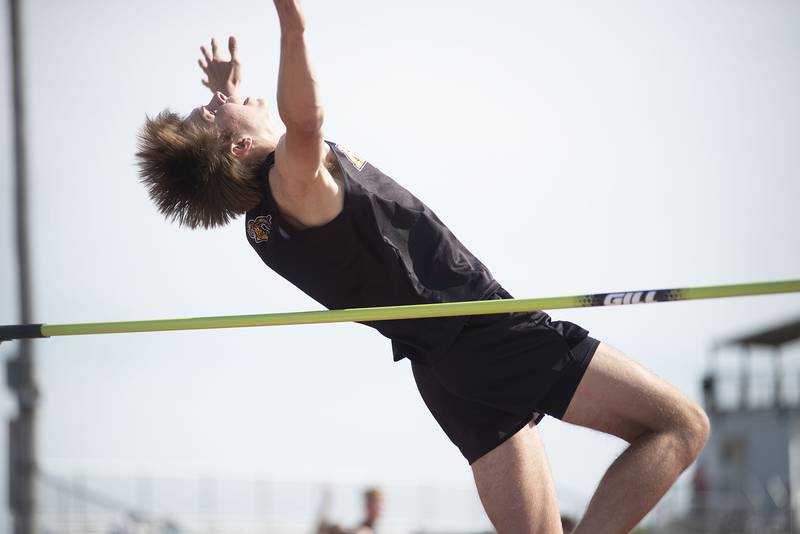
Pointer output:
x,y
575,148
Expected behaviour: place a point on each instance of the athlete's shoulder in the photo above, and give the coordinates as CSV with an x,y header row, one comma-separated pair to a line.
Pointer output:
x,y
343,152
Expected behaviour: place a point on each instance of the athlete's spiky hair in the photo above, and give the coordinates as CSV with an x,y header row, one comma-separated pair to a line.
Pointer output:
x,y
190,173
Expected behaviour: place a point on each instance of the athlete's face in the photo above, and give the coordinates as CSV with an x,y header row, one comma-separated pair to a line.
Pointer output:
x,y
232,114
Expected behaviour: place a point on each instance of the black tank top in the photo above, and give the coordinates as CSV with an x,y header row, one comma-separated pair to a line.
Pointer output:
x,y
385,248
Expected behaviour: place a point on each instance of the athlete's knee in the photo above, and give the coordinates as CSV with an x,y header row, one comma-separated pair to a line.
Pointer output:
x,y
690,430
697,428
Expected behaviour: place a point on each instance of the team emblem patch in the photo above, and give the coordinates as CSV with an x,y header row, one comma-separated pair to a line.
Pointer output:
x,y
357,161
260,228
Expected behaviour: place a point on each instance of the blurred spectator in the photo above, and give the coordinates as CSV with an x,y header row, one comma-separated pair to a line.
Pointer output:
x,y
373,506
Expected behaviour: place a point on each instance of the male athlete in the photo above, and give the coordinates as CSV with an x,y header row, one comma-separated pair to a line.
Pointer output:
x,y
349,236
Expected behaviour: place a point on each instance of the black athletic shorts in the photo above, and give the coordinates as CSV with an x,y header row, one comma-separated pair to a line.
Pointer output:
x,y
501,372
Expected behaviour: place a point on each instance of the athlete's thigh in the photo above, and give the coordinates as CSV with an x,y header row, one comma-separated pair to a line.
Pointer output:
x,y
620,397
516,487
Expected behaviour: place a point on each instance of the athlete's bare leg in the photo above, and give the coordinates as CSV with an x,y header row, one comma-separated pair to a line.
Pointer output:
x,y
666,432
516,488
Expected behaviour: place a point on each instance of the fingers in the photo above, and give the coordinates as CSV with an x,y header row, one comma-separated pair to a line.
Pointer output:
x,y
214,57
206,55
205,82
233,46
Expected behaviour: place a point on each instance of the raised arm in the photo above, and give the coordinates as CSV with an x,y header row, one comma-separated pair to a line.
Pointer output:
x,y
300,151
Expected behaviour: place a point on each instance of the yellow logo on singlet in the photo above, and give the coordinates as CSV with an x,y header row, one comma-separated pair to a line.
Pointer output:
x,y
357,161
260,228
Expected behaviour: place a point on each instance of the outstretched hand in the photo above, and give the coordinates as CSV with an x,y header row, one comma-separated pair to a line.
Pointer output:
x,y
221,75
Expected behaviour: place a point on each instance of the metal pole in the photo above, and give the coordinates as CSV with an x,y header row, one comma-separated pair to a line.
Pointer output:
x,y
777,373
20,369
745,387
